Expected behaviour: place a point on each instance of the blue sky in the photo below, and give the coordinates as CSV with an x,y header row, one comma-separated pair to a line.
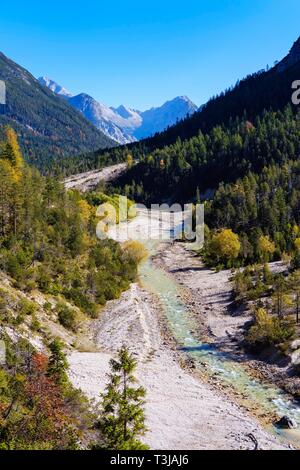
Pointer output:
x,y
142,53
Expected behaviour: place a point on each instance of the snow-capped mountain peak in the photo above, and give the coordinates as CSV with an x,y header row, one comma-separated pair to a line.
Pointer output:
x,y
130,118
103,117
124,124
158,119
123,111
53,86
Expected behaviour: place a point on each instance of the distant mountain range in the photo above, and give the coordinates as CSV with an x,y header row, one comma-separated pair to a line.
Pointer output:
x,y
125,125
107,119
47,126
251,127
59,90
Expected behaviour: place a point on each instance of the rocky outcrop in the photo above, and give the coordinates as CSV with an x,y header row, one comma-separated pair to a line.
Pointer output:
x,y
286,423
291,59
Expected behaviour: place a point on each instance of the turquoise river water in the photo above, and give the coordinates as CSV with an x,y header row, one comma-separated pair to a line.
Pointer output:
x,y
268,398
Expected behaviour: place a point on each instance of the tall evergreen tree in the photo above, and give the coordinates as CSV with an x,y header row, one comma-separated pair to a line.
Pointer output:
x,y
58,364
122,419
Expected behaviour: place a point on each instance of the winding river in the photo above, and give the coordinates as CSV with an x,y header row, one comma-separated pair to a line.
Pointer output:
x,y
266,398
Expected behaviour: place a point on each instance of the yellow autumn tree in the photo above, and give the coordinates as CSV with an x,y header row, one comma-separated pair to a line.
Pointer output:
x,y
225,245
135,251
295,231
108,216
266,247
297,244
86,213
11,167
10,152
85,210
267,330
13,148
129,160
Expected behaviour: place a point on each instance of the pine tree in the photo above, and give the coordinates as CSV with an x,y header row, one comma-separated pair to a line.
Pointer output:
x,y
295,287
122,419
58,364
11,151
280,298
6,196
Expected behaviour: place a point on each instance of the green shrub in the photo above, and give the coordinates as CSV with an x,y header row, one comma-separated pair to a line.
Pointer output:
x,y
3,301
19,319
251,283
35,324
29,285
268,330
44,279
26,307
47,306
81,301
66,317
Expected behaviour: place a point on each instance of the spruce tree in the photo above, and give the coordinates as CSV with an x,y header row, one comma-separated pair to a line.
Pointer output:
x,y
122,420
58,364
11,150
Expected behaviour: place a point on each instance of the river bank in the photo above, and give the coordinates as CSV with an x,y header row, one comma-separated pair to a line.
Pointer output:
x,y
190,402
89,180
182,411
208,296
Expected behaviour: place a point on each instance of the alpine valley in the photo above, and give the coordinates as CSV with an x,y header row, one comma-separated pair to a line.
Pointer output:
x,y
118,330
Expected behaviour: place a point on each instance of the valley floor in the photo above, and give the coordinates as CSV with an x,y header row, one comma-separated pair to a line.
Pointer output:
x,y
90,180
208,296
183,411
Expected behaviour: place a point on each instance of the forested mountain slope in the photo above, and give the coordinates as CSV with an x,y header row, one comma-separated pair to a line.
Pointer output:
x,y
55,275
222,155
123,124
47,125
262,91
271,89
